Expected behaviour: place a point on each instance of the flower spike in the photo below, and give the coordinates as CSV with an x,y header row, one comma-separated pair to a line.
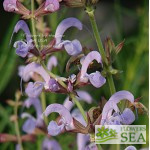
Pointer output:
x,y
96,78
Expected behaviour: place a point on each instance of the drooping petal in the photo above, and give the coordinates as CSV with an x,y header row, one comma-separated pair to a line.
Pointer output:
x,y
66,121
33,90
30,124
97,79
10,5
82,140
130,148
63,26
50,145
23,48
54,129
52,62
51,5
72,47
37,68
53,85
127,116
113,101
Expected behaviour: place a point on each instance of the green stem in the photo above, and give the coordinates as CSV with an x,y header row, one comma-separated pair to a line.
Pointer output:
x,y
79,106
33,24
17,125
43,100
90,12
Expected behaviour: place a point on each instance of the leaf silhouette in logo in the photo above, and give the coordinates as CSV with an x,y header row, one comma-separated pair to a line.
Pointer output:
x,y
102,132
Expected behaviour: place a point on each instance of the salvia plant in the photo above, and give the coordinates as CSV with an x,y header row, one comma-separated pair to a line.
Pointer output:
x,y
93,67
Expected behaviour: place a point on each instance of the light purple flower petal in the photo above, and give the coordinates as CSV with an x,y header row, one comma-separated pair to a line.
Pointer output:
x,y
77,115
91,146
50,145
127,116
36,104
131,148
18,147
112,103
52,62
66,118
68,104
82,140
72,47
20,73
21,25
30,124
54,129
53,85
33,90
37,68
64,25
10,5
85,96
51,5
96,78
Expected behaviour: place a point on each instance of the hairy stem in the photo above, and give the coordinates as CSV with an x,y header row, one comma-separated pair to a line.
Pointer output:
x,y
90,12
33,24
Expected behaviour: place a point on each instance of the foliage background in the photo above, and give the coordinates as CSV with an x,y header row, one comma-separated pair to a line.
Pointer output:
x,y
118,19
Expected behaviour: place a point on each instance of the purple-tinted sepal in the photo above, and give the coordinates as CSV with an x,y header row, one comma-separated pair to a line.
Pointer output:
x,y
127,117
72,47
96,79
66,120
52,62
53,85
33,90
130,148
50,145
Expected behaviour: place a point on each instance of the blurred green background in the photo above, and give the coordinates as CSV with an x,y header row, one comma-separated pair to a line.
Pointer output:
x,y
118,19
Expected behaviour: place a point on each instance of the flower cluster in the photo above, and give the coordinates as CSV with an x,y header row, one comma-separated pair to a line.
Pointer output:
x,y
92,69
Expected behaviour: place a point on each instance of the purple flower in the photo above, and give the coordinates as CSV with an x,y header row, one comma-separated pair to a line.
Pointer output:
x,y
37,68
82,95
22,48
51,5
52,62
95,78
15,6
53,85
66,120
33,90
72,47
50,145
10,5
130,148
112,105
